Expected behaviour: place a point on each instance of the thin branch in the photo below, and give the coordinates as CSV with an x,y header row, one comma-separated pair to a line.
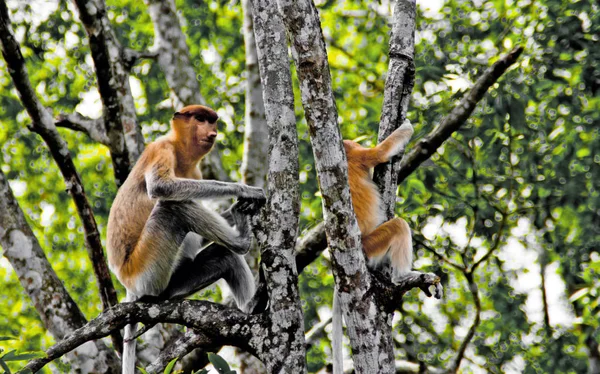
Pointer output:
x,y
494,246
438,255
471,333
43,124
211,319
186,343
459,115
316,332
94,128
131,56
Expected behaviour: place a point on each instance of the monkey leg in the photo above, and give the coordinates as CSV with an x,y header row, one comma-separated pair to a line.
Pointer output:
x,y
211,264
191,216
161,246
392,240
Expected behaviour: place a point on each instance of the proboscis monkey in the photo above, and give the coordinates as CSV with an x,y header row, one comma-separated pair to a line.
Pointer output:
x,y
157,222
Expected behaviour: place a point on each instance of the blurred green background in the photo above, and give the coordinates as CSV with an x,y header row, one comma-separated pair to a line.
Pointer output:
x,y
517,186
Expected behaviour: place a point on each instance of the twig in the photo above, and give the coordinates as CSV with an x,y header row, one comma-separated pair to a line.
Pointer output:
x,y
473,328
438,255
452,122
186,343
316,332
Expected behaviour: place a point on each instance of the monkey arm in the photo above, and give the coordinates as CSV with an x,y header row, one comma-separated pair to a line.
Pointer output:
x,y
161,183
180,189
395,143
368,158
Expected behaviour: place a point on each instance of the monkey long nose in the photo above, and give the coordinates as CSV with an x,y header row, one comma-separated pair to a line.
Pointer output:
x,y
212,135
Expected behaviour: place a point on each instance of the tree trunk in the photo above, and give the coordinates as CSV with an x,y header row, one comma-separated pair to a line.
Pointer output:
x,y
285,351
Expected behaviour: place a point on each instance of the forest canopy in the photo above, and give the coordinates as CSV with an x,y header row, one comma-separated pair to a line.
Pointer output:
x,y
506,212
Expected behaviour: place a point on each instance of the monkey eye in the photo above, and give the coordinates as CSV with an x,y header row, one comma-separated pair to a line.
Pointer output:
x,y
199,118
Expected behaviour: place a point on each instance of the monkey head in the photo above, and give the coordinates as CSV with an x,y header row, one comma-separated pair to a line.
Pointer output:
x,y
198,125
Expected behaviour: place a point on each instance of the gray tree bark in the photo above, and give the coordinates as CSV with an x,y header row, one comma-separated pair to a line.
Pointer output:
x,y
254,163
120,120
398,89
352,278
59,313
173,54
173,57
285,352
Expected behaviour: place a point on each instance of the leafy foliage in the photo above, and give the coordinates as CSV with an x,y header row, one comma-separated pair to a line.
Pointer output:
x,y
508,215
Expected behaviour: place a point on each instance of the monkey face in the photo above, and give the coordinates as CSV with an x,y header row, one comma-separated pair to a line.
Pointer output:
x,y
199,124
204,133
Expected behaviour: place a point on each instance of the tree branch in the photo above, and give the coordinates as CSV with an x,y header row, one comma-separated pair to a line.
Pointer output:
x,y
213,320
94,128
131,56
452,122
57,310
471,333
125,139
316,332
173,54
43,124
183,345
254,162
390,295
310,246
396,97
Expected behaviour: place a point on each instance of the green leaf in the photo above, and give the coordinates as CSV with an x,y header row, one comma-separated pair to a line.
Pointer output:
x,y
4,367
5,338
170,367
219,363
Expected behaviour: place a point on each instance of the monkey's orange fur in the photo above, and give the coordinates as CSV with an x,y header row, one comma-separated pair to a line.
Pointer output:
x,y
175,155
393,237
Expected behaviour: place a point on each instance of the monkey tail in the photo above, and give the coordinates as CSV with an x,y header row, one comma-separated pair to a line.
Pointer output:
x,y
337,335
128,364
241,282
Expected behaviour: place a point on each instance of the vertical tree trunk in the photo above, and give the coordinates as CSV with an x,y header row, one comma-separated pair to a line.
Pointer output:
x,y
398,89
353,281
285,352
173,54
254,165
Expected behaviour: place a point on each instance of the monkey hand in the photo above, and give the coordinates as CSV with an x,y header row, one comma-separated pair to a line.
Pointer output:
x,y
254,193
248,206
